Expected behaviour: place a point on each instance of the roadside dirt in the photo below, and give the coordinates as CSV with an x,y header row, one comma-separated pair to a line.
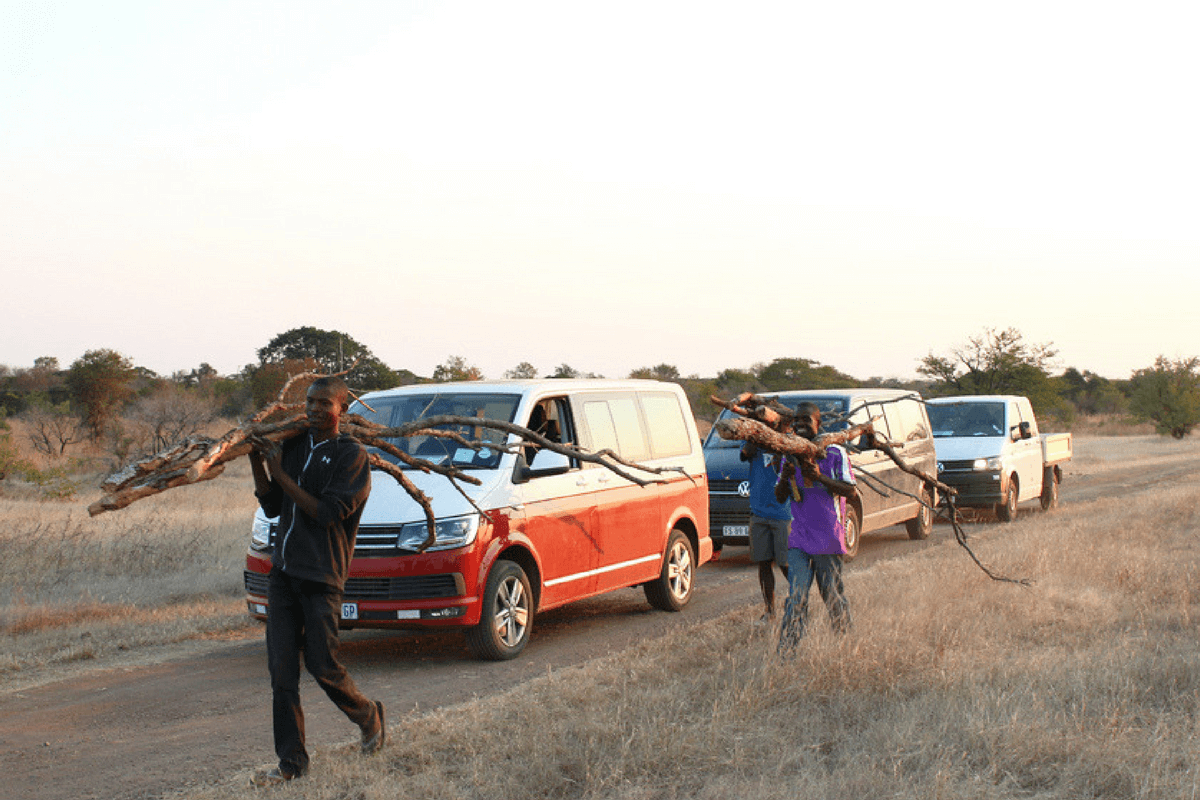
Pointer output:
x,y
193,714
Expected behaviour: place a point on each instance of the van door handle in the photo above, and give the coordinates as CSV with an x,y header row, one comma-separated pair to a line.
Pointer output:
x,y
581,481
605,478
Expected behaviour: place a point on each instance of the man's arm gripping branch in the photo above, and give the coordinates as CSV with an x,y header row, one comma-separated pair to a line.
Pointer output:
x,y
267,457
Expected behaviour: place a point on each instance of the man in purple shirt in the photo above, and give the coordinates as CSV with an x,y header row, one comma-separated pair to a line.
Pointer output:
x,y
818,534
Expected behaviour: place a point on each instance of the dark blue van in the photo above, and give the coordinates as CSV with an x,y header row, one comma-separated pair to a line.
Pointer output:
x,y
902,419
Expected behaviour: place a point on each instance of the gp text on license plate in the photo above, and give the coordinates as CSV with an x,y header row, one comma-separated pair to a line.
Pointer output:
x,y
349,610
736,530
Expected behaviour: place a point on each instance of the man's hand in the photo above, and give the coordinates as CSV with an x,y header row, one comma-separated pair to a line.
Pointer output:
x,y
268,453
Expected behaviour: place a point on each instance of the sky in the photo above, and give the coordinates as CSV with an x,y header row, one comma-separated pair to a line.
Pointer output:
x,y
606,185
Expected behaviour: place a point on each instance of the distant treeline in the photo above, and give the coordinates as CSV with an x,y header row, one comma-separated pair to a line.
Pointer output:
x,y
103,387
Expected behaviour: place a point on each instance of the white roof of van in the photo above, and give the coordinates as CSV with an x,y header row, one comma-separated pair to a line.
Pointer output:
x,y
848,392
527,386
976,398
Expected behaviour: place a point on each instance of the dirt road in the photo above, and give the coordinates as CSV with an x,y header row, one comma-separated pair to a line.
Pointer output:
x,y
137,732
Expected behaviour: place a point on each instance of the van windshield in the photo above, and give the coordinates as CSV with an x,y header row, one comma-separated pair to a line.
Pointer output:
x,y
966,419
403,409
833,418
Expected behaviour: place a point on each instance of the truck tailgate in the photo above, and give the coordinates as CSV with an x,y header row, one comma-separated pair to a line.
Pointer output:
x,y
1056,448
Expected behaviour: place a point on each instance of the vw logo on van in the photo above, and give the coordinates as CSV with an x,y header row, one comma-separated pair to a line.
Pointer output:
x,y
744,489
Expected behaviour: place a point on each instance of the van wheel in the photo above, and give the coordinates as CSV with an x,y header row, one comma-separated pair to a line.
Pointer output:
x,y
672,589
1007,511
1049,489
920,526
853,532
507,616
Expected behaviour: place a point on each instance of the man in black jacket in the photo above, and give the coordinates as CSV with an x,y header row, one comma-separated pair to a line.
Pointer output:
x,y
316,484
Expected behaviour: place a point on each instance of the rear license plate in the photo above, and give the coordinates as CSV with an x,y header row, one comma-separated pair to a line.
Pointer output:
x,y
733,531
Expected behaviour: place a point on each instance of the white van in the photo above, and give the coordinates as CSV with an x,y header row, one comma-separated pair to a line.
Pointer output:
x,y
552,529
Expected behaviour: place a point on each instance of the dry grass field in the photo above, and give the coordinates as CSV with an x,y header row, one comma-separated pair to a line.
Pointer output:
x,y
75,588
1085,685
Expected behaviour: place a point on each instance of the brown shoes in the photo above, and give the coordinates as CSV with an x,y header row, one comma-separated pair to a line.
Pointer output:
x,y
372,744
265,778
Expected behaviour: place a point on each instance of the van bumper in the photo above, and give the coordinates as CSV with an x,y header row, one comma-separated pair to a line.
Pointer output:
x,y
390,598
728,519
975,489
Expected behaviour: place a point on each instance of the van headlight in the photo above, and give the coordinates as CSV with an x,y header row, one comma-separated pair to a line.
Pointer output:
x,y
260,533
984,464
448,533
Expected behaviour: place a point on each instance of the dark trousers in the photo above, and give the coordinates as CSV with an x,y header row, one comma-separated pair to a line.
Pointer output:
x,y
302,616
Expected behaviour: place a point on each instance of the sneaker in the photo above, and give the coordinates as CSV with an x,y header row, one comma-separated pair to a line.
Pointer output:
x,y
265,778
374,743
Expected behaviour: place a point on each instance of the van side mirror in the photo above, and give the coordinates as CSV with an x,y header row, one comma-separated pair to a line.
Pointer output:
x,y
545,462
1024,431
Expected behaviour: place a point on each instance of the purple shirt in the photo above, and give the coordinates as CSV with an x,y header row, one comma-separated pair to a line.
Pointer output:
x,y
819,519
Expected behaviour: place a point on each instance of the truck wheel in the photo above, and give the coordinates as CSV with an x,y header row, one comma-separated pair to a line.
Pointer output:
x,y
506,619
672,589
1050,489
853,532
1007,511
920,526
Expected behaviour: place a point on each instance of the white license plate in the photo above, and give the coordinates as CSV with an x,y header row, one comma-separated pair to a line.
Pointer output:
x,y
736,530
349,610
408,613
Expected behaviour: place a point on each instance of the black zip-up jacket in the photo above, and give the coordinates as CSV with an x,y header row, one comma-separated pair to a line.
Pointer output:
x,y
337,473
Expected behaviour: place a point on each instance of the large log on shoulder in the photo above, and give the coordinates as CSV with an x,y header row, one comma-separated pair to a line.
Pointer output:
x,y
766,437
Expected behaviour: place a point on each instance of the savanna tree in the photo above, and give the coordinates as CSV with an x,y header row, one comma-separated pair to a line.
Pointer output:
x,y
100,382
801,373
1168,394
51,428
999,362
522,371
331,352
661,372
456,368
170,414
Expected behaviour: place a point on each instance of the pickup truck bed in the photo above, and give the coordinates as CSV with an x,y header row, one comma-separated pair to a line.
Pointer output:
x,y
1056,448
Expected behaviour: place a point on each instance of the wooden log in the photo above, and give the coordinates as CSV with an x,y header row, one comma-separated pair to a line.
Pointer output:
x,y
157,484
766,437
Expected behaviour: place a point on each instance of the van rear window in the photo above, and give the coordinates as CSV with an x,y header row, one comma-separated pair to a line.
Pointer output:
x,y
636,425
668,427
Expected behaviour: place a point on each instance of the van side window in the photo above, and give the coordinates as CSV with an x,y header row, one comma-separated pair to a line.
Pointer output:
x,y
613,423
551,418
601,429
666,424
912,422
885,427
860,416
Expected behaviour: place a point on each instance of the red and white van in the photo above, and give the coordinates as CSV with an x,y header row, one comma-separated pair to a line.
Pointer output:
x,y
553,530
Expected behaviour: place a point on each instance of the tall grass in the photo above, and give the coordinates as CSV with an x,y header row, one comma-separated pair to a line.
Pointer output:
x,y
74,587
1086,685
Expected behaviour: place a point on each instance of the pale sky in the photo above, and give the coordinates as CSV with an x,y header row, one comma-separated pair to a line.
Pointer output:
x,y
608,185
